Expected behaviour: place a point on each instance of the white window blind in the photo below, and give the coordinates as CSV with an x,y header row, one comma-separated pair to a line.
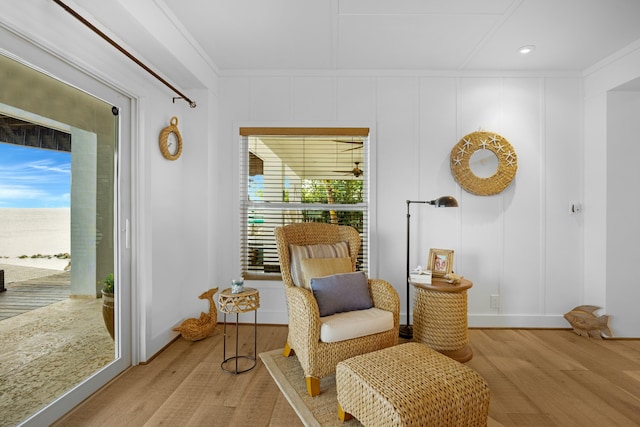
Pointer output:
x,y
294,175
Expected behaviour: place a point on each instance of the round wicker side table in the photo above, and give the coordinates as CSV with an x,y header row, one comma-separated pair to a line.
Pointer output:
x,y
440,318
243,302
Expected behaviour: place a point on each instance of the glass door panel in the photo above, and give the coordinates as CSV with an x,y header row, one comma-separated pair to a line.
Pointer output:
x,y
54,335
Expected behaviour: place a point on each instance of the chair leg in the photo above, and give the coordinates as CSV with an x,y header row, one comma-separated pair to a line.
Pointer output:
x,y
288,351
313,386
342,415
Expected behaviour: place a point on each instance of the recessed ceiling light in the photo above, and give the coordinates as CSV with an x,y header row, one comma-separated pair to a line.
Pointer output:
x,y
526,49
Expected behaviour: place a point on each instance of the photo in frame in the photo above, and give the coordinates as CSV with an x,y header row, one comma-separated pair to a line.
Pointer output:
x,y
440,262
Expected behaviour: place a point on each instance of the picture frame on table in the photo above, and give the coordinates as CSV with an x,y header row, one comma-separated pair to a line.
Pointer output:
x,y
440,262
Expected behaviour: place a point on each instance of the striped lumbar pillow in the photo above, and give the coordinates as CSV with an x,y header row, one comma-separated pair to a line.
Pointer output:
x,y
336,250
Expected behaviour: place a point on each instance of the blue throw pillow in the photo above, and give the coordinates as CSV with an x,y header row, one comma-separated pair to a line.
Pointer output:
x,y
341,292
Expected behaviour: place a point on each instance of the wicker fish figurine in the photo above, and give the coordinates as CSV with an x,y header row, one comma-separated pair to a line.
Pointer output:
x,y
586,324
196,329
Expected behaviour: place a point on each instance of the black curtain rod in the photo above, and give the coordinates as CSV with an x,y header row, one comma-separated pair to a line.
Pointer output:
x,y
192,104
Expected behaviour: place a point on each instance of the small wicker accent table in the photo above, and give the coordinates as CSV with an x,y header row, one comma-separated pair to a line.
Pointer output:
x,y
242,302
440,318
410,385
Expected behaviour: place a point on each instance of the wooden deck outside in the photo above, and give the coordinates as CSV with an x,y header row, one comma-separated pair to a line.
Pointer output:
x,y
27,295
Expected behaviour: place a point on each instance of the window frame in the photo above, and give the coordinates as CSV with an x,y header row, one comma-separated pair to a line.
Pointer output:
x,y
243,134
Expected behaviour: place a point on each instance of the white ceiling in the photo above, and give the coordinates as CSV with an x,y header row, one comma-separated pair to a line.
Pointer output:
x,y
409,34
341,35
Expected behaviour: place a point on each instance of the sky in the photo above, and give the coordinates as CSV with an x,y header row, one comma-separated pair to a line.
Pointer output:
x,y
34,178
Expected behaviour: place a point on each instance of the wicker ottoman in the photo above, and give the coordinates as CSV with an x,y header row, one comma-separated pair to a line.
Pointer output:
x,y
410,385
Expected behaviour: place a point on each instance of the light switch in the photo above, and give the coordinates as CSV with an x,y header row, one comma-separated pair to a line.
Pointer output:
x,y
575,207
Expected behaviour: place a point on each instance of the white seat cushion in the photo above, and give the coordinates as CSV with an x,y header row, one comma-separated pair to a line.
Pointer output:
x,y
354,324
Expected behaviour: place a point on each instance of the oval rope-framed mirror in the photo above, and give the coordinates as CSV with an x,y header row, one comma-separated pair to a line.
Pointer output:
x,y
171,140
463,163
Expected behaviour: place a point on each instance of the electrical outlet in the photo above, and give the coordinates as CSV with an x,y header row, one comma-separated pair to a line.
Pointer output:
x,y
495,302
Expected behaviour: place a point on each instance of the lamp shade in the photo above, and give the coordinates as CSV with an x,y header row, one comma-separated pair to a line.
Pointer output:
x,y
445,202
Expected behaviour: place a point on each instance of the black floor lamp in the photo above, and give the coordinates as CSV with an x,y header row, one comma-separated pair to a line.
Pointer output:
x,y
406,331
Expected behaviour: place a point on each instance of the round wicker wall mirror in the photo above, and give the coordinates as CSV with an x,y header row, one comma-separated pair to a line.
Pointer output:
x,y
483,163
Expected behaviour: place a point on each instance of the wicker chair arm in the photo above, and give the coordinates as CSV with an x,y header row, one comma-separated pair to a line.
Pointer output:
x,y
385,297
304,317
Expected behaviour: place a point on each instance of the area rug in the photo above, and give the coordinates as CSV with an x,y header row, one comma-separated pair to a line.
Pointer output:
x,y
321,410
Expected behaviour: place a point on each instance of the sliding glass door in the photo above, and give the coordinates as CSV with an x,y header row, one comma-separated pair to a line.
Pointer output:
x,y
65,338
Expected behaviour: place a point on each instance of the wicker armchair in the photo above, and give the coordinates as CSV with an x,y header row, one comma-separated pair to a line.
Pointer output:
x,y
319,359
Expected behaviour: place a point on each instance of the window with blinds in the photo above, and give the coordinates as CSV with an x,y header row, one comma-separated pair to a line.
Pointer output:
x,y
294,175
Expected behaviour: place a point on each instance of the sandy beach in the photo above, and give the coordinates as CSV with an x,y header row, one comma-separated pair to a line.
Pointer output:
x,y
31,238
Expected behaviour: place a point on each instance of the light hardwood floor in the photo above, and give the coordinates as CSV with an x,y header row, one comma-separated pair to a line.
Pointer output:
x,y
537,378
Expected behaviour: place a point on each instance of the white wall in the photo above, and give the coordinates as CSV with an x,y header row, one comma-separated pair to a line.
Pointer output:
x,y
611,147
179,214
523,244
623,227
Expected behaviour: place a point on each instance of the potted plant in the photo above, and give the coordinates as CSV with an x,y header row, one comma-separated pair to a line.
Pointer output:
x,y
107,304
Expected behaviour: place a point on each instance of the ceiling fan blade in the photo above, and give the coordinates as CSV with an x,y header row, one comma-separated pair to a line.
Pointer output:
x,y
346,141
351,149
356,171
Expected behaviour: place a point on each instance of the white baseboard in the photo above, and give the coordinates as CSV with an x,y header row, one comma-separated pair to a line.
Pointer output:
x,y
273,311
517,321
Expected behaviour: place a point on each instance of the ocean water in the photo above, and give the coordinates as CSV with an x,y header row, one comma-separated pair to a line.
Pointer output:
x,y
34,231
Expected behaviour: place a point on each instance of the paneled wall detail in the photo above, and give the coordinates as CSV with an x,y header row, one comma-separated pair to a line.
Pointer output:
x,y
523,245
